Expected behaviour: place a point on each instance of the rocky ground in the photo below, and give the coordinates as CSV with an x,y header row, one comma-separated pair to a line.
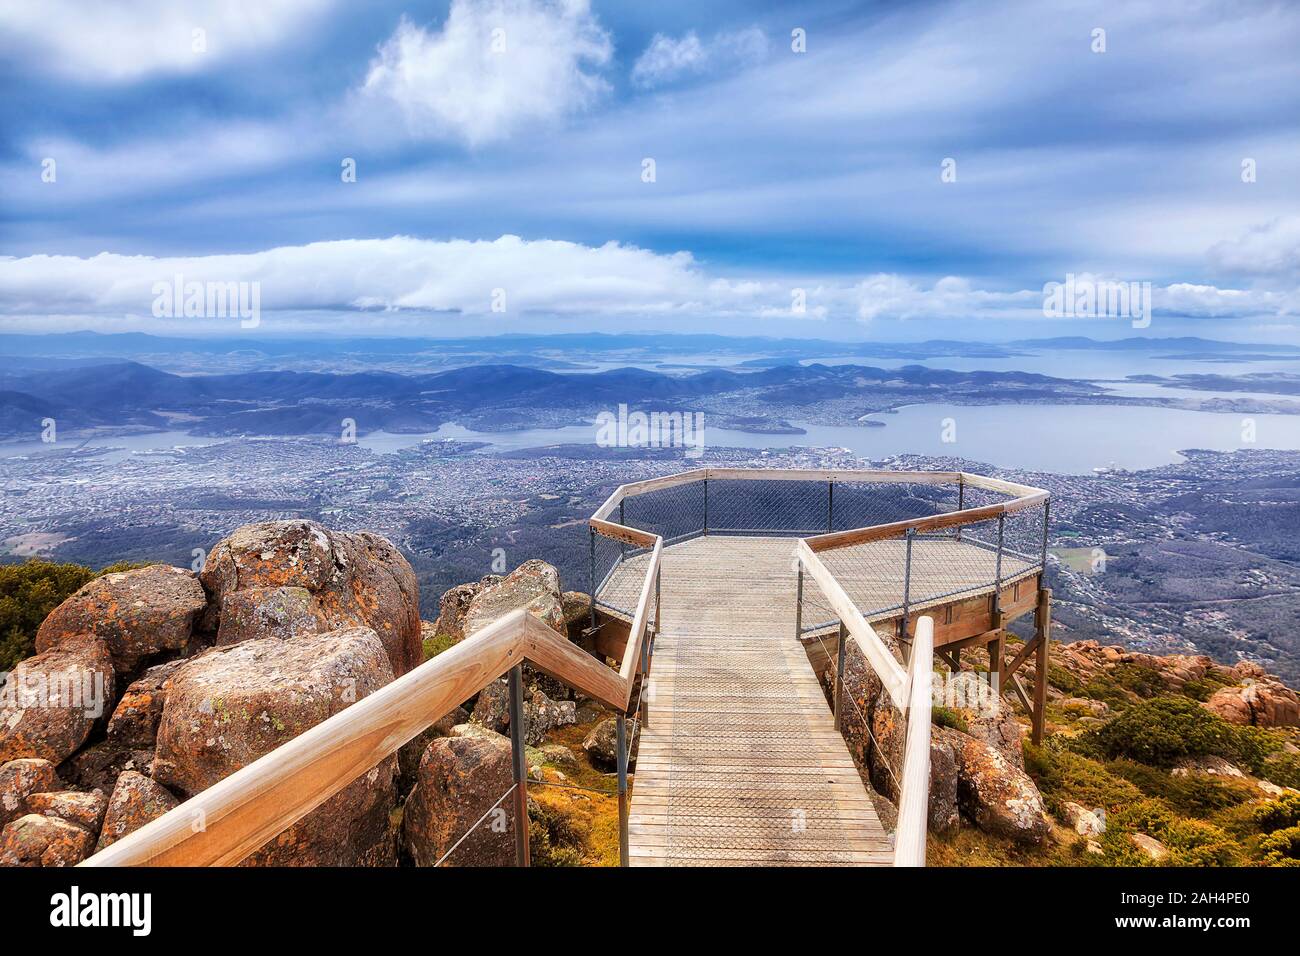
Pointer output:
x,y
1147,761
148,686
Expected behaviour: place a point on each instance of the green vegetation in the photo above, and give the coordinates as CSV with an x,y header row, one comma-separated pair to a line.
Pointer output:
x,y
1190,842
1279,814
1282,848
436,644
1162,731
1192,794
1061,775
28,593
942,716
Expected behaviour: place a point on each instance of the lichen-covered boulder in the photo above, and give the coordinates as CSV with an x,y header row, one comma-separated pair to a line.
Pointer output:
x,y
459,781
86,810
256,613
52,701
453,604
353,580
602,743
410,753
135,719
998,796
35,840
231,705
541,713
534,585
1002,732
136,800
945,750
19,779
1085,822
136,613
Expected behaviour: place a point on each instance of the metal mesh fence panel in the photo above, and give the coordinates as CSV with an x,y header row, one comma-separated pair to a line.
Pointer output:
x,y
768,506
675,513
863,504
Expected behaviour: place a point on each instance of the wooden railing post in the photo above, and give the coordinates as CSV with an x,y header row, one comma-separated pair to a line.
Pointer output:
x,y
622,790
592,551
798,602
914,799
517,754
839,673
1044,629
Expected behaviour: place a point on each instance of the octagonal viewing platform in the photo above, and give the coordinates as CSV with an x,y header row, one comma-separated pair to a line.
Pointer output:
x,y
758,576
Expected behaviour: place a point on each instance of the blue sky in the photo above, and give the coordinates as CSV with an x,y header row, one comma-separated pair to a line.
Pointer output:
x,y
500,145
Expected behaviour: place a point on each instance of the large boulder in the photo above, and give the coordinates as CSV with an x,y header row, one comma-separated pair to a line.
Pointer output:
x,y
541,713
51,701
1002,732
998,796
256,613
411,753
19,779
136,800
459,781
35,840
136,613
602,743
134,723
231,705
351,580
1260,702
534,585
453,604
86,810
945,756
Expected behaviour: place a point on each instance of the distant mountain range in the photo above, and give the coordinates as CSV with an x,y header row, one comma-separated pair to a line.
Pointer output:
x,y
63,350
294,403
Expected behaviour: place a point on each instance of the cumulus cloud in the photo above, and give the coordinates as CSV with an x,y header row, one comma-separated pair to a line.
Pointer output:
x,y
121,42
668,59
1269,249
398,273
387,281
495,66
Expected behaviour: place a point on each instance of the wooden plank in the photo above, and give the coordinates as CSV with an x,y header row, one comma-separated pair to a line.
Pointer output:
x,y
619,532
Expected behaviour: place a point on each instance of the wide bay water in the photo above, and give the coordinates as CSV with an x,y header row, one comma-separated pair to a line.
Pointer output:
x,y
1068,439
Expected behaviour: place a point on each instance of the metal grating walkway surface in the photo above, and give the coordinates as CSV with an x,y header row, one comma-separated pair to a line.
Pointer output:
x,y
740,763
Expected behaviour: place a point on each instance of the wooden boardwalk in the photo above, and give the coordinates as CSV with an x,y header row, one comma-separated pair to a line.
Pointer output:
x,y
740,763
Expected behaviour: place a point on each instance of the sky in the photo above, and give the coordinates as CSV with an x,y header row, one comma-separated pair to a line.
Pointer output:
x,y
857,171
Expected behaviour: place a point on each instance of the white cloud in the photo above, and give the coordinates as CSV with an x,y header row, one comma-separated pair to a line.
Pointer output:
x,y
495,66
385,282
113,42
667,59
1270,249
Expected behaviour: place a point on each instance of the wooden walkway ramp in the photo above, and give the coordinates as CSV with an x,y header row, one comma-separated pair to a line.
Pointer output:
x,y
740,763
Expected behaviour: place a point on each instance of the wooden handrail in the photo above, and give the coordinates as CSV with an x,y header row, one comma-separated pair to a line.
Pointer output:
x,y
240,814
914,795
887,668
897,529
636,636
621,532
